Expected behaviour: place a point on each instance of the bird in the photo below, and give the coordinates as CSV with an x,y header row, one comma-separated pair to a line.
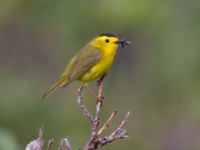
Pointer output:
x,y
92,62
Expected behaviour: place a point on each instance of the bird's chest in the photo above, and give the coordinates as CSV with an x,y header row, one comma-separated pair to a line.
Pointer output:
x,y
101,67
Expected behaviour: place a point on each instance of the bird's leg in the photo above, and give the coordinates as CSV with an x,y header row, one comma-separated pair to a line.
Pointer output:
x,y
101,79
90,91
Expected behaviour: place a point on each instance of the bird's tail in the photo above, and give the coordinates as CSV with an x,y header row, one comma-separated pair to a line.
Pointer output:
x,y
54,87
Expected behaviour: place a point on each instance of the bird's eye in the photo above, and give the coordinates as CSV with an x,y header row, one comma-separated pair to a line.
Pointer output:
x,y
107,40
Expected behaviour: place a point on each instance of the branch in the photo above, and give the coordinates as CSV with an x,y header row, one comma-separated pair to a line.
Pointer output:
x,y
38,143
107,123
50,143
64,145
83,108
94,140
119,133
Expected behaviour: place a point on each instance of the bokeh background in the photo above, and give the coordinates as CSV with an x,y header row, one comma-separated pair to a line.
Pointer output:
x,y
157,78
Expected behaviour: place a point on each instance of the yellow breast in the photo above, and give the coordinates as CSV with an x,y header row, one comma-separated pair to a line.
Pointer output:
x,y
102,66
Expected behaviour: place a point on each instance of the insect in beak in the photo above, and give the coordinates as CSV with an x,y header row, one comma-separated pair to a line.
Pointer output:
x,y
123,42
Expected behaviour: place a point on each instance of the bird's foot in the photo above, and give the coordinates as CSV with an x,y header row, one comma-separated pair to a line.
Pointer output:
x,y
91,92
100,80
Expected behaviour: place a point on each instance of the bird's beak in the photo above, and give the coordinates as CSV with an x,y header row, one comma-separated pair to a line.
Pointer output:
x,y
123,42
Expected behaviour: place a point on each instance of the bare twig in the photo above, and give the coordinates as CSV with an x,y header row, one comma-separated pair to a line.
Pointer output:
x,y
40,138
64,145
83,108
94,140
38,143
107,123
95,123
50,143
121,124
119,133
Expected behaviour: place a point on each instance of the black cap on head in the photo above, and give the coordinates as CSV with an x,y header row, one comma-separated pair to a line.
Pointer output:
x,y
107,34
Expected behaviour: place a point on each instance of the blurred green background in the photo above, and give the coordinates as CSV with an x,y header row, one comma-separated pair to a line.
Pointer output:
x,y
157,78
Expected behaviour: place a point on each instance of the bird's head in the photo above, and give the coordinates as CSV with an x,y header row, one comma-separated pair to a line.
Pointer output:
x,y
109,41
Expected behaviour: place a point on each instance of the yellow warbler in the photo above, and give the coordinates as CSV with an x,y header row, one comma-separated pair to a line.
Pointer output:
x,y
91,62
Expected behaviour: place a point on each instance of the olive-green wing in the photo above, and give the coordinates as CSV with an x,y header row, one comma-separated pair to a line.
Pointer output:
x,y
79,64
82,62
